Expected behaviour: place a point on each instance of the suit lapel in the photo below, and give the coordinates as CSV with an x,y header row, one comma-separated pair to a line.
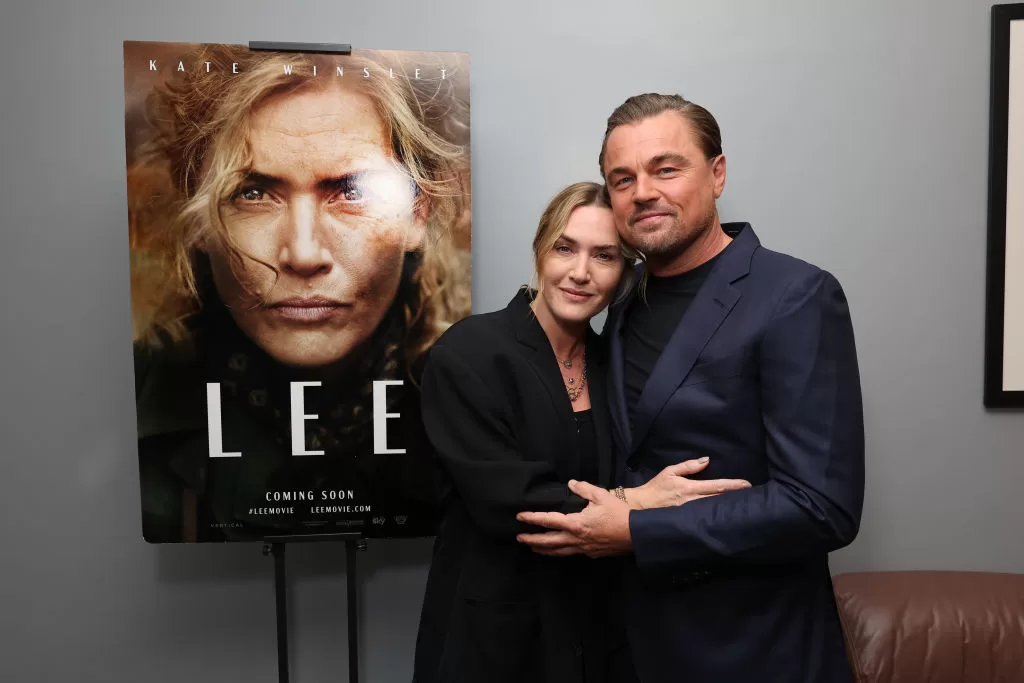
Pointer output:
x,y
709,309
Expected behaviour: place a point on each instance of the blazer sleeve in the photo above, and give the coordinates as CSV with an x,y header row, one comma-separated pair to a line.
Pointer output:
x,y
814,436
475,444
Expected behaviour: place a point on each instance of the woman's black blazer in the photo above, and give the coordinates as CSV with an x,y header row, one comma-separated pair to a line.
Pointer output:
x,y
500,421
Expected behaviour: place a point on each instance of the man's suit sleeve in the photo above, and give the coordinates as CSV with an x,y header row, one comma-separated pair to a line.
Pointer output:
x,y
476,446
814,435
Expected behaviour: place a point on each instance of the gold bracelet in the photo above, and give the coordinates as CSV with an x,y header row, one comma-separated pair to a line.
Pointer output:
x,y
620,494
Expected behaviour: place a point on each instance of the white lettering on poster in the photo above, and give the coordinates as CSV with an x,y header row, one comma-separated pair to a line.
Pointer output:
x,y
380,416
216,429
298,418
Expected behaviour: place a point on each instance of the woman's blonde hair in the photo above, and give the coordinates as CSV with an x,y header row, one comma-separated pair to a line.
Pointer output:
x,y
200,154
555,218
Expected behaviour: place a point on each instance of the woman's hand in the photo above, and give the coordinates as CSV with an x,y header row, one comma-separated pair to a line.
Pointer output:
x,y
671,487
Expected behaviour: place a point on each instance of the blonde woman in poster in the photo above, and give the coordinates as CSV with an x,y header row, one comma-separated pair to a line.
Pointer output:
x,y
299,238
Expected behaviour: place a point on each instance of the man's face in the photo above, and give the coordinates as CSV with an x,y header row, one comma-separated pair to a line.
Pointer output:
x,y
663,189
327,207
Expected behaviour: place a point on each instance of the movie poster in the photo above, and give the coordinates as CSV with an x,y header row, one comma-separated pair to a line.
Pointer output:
x,y
299,235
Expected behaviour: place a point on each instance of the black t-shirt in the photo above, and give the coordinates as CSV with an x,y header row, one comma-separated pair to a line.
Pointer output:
x,y
650,322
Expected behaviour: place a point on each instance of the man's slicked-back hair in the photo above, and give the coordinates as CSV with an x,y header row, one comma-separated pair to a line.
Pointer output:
x,y
641,107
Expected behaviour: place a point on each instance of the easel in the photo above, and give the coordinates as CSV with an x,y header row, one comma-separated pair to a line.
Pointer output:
x,y
333,48
275,546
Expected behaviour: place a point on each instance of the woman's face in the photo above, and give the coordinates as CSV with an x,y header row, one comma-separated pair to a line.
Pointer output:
x,y
580,274
327,206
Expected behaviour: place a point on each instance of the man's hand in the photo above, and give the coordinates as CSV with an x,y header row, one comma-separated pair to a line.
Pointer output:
x,y
600,530
671,487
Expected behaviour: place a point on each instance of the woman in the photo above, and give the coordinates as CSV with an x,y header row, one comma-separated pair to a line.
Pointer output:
x,y
514,405
294,219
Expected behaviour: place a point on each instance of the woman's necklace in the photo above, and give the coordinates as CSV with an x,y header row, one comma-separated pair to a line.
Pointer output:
x,y
571,387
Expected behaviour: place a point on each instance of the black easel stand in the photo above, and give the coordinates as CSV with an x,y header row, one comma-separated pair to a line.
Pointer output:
x,y
335,48
275,545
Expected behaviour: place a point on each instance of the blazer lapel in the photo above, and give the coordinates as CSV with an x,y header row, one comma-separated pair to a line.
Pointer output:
x,y
597,371
530,334
709,309
616,384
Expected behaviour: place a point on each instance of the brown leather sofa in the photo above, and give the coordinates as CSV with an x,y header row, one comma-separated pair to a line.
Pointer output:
x,y
933,626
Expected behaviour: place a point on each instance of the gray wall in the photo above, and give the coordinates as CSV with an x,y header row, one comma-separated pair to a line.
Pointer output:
x,y
856,135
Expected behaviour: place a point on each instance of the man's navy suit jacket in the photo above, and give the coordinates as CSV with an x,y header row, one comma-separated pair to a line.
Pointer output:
x,y
761,376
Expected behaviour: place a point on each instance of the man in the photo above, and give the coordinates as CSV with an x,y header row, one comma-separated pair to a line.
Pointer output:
x,y
745,356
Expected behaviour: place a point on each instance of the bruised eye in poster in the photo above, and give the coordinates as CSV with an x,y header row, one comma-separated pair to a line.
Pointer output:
x,y
299,232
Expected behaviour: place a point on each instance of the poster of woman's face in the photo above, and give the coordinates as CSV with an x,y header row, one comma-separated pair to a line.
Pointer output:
x,y
299,234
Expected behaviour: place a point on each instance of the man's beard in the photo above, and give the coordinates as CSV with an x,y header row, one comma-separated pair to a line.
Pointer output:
x,y
667,244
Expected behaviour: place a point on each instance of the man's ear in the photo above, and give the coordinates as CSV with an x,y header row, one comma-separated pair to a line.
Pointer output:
x,y
718,171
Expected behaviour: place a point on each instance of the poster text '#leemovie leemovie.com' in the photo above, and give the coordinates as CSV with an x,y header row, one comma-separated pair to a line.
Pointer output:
x,y
299,230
